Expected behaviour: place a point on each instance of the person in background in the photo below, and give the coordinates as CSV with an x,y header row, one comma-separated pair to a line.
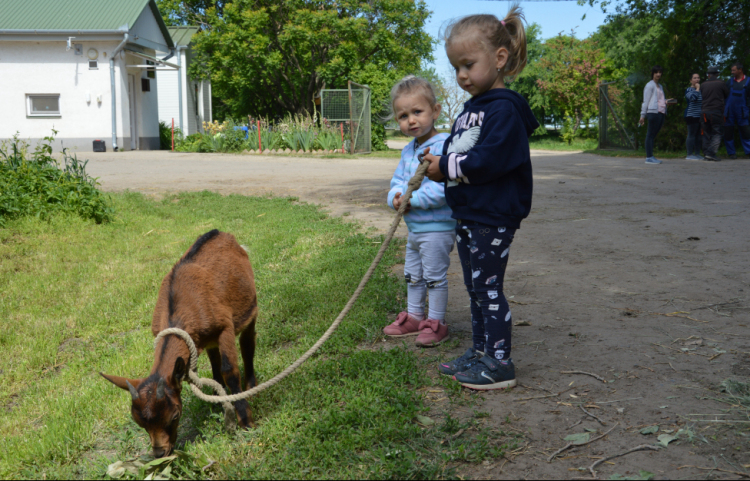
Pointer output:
x,y
655,109
714,93
693,117
736,111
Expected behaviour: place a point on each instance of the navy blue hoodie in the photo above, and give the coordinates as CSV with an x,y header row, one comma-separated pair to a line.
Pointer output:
x,y
486,160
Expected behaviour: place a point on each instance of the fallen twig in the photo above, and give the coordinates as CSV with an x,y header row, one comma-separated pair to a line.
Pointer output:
x,y
642,447
525,386
678,314
593,416
618,401
738,473
544,397
715,356
717,305
570,445
585,373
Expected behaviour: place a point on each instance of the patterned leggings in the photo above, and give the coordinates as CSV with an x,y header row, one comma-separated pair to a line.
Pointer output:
x,y
483,250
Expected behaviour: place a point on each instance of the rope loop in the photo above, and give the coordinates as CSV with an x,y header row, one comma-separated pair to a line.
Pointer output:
x,y
196,383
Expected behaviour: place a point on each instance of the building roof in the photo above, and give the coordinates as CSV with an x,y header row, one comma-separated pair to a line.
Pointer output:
x,y
181,35
75,15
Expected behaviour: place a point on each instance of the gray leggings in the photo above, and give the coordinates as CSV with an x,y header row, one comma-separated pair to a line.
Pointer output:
x,y
426,268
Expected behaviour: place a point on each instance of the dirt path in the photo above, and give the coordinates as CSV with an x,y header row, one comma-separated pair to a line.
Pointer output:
x,y
638,274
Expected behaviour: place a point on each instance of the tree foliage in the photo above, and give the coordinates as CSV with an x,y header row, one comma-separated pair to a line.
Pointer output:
x,y
269,58
684,37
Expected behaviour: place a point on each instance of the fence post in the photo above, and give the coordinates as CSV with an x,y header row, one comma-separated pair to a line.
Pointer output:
x,y
351,120
342,137
172,134
260,146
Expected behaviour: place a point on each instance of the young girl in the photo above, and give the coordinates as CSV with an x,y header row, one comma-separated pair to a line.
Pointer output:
x,y
487,169
429,220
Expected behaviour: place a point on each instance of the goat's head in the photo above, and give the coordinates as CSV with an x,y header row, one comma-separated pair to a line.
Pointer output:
x,y
156,406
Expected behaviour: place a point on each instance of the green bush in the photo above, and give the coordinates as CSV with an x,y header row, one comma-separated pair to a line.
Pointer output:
x,y
165,136
33,184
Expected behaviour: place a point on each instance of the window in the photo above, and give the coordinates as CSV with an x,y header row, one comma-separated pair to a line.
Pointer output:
x,y
93,65
43,105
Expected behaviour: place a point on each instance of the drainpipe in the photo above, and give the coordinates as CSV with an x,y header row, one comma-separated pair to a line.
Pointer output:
x,y
179,82
171,54
114,92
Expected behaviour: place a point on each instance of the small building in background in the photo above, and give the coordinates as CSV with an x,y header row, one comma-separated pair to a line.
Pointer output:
x,y
196,94
85,68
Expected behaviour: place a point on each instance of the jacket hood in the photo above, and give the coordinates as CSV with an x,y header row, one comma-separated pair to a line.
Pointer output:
x,y
439,138
522,107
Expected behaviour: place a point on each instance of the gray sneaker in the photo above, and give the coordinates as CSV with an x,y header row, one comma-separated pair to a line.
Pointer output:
x,y
652,160
488,374
463,363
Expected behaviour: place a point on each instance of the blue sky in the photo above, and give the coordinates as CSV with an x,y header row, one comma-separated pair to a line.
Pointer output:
x,y
553,17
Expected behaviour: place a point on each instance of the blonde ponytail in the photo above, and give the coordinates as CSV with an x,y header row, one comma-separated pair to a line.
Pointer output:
x,y
508,33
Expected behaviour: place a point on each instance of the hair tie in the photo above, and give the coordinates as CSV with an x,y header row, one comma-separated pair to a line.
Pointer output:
x,y
503,22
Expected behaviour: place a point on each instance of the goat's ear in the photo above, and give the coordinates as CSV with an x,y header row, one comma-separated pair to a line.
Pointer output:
x,y
179,370
122,382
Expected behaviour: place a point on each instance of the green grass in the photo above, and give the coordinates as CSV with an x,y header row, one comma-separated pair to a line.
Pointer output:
x,y
76,298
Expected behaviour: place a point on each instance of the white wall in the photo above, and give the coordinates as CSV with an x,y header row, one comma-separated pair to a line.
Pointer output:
x,y
168,98
45,67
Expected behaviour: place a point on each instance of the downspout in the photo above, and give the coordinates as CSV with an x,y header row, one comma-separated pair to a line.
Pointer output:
x,y
179,82
113,91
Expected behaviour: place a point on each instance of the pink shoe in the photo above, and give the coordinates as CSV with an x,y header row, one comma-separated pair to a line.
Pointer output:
x,y
431,333
404,325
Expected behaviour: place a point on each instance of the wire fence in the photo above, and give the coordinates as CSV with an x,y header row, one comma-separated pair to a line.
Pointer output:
x,y
351,108
612,132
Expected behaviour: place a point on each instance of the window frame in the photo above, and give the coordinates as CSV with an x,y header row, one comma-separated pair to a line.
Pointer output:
x,y
31,114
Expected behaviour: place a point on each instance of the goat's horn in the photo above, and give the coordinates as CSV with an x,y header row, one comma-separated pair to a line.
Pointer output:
x,y
160,388
132,390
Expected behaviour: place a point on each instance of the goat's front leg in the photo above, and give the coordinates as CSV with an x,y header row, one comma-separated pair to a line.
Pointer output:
x,y
230,371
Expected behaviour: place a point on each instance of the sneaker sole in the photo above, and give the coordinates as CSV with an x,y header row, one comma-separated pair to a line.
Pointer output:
x,y
434,344
402,335
489,387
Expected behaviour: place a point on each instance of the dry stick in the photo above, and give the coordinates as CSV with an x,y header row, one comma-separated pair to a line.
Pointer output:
x,y
618,401
571,445
544,397
642,447
586,373
591,415
738,473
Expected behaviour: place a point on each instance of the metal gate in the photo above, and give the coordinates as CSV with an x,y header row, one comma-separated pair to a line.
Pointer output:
x,y
612,132
350,107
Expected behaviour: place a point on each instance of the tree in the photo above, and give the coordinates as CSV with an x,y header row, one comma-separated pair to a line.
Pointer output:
x,y
526,83
684,37
574,68
452,97
270,58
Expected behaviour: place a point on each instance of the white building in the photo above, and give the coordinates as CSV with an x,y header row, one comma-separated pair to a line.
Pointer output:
x,y
84,68
196,94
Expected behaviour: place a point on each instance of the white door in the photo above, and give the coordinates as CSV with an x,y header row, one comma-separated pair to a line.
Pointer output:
x,y
133,123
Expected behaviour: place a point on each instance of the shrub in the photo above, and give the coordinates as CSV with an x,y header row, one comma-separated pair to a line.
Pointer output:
x,y
165,136
33,184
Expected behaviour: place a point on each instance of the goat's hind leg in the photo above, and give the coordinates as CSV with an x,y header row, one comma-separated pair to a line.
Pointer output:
x,y
247,346
215,357
231,372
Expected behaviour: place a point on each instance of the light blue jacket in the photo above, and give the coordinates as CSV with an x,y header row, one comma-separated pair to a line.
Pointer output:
x,y
429,210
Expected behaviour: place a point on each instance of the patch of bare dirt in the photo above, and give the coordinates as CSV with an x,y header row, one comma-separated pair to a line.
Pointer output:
x,y
634,273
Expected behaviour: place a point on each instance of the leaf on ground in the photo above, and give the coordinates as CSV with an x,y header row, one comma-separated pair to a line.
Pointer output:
x,y
163,460
424,420
591,430
665,439
522,323
650,429
115,470
578,438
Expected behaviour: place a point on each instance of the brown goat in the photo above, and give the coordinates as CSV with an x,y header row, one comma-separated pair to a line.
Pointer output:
x,y
210,294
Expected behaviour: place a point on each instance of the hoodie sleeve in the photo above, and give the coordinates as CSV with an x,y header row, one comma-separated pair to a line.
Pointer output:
x,y
398,183
430,195
499,151
648,92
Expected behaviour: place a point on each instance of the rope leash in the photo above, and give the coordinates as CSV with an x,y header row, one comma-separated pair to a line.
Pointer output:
x,y
196,383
